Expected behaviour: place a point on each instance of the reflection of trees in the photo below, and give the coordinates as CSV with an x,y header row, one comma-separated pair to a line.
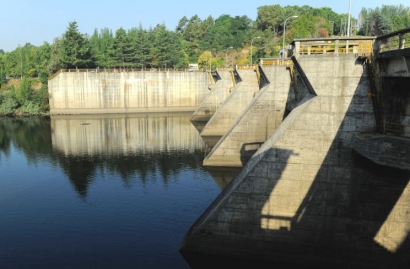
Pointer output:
x,y
4,140
81,170
32,136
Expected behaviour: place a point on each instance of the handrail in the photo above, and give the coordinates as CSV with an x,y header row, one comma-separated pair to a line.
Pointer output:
x,y
390,127
360,46
246,66
115,70
275,61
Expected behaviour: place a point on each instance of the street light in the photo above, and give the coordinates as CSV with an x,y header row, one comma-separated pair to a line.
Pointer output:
x,y
251,45
226,55
284,35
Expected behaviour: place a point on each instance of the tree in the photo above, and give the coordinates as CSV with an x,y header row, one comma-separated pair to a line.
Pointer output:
x,y
142,44
168,49
181,25
122,52
75,51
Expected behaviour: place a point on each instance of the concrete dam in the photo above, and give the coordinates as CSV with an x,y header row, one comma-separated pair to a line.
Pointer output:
x,y
322,144
101,91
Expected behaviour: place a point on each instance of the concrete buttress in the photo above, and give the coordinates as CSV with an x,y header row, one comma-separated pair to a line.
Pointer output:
x,y
256,123
306,198
232,107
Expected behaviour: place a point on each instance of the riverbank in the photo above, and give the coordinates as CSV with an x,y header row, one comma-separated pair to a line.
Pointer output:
x,y
27,96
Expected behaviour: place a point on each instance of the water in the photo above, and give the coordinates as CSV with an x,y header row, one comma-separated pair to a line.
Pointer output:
x,y
109,191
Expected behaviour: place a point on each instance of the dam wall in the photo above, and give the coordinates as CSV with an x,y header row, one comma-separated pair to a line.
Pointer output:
x,y
239,98
256,123
219,91
306,198
126,92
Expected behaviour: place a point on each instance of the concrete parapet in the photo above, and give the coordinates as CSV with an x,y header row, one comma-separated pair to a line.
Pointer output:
x,y
232,107
305,198
219,91
256,123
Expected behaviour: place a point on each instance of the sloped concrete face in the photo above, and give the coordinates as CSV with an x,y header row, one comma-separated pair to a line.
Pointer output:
x,y
256,123
215,98
306,198
232,107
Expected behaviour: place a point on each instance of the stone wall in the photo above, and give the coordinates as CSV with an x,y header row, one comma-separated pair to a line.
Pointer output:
x,y
121,92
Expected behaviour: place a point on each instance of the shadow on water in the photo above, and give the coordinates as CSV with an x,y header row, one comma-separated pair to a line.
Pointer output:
x,y
341,208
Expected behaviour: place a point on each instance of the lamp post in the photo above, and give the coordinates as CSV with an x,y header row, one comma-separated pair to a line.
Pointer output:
x,y
251,46
226,56
284,35
348,28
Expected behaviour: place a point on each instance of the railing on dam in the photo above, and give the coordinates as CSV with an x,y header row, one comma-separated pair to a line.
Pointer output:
x,y
360,46
118,70
393,41
275,61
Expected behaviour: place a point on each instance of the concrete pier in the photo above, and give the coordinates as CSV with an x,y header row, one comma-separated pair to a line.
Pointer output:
x,y
217,95
256,123
239,98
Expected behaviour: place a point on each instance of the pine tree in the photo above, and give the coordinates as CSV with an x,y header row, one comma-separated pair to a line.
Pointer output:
x,y
122,51
142,47
75,51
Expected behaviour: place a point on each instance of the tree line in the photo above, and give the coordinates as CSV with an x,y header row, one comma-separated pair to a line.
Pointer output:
x,y
207,41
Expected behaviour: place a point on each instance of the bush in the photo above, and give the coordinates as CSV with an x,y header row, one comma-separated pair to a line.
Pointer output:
x,y
8,105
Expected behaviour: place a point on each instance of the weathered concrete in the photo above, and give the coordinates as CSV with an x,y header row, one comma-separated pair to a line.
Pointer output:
x,y
256,123
219,91
306,198
125,92
385,150
232,107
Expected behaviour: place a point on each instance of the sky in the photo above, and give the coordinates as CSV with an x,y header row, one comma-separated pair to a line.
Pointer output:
x,y
39,21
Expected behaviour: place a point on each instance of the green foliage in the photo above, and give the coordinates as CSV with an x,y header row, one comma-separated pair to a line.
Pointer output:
x,y
143,45
167,49
122,52
23,93
160,48
7,104
384,20
75,51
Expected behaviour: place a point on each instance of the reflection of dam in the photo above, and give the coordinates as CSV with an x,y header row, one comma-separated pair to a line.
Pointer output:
x,y
124,134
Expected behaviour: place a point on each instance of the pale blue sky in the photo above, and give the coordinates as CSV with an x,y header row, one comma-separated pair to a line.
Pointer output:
x,y
36,21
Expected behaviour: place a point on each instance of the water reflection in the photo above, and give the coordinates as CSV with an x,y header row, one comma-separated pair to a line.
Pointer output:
x,y
140,182
130,146
125,145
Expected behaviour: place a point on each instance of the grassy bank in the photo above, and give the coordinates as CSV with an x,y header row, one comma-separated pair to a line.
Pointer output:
x,y
27,96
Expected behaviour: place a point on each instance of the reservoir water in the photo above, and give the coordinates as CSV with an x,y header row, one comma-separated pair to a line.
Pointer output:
x,y
107,191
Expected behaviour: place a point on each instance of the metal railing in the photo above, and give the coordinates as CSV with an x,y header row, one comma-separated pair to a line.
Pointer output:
x,y
246,66
394,128
393,41
120,70
275,61
360,46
